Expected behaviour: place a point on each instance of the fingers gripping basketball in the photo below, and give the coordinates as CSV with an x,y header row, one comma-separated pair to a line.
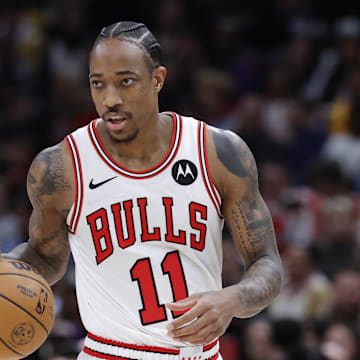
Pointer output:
x,y
27,309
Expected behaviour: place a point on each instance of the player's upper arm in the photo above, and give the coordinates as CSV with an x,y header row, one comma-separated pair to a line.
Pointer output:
x,y
234,172
51,192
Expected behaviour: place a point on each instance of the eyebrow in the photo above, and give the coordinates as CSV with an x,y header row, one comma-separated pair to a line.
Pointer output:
x,y
125,72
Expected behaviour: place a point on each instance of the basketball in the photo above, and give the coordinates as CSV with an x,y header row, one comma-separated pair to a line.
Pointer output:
x,y
27,309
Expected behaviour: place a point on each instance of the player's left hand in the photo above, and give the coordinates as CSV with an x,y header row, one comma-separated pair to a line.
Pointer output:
x,y
209,315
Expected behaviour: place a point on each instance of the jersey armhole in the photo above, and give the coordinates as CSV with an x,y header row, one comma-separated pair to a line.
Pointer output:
x,y
210,187
74,213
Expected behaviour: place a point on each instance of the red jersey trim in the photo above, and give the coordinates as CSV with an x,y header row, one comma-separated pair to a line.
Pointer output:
x,y
205,169
101,355
143,348
165,162
211,345
155,349
79,184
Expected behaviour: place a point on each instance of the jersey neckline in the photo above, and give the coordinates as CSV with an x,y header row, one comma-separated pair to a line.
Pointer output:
x,y
114,165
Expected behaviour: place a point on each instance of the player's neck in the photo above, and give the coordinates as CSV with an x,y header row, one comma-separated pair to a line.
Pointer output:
x,y
146,149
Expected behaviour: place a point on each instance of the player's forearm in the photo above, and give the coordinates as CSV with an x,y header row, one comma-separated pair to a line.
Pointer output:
x,y
26,253
260,285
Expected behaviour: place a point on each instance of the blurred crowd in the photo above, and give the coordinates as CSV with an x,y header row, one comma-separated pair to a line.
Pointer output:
x,y
283,74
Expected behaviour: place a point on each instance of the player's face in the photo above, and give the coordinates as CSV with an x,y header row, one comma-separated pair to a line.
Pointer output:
x,y
123,88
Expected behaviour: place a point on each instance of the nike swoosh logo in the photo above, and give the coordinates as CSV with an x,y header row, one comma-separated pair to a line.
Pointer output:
x,y
93,186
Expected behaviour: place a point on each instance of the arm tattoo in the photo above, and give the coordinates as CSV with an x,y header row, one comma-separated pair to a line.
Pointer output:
x,y
226,151
48,248
53,178
260,285
261,282
49,254
49,242
251,227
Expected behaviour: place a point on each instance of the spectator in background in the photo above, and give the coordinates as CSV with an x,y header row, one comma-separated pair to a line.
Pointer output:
x,y
299,57
301,206
345,306
259,342
341,107
335,247
69,104
288,335
28,29
276,107
246,120
340,343
213,95
306,293
326,177
328,77
344,147
273,181
227,31
307,138
184,53
24,119
16,153
68,54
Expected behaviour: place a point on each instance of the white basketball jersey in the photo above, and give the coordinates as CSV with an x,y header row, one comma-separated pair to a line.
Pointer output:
x,y
143,239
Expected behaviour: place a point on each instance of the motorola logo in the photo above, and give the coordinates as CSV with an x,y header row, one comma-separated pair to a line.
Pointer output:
x,y
184,172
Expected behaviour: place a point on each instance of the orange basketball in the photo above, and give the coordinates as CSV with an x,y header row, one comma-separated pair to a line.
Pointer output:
x,y
27,309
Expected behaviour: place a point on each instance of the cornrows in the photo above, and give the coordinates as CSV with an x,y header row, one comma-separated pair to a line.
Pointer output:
x,y
138,34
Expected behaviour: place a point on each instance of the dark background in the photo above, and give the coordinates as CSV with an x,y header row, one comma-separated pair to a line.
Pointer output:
x,y
284,75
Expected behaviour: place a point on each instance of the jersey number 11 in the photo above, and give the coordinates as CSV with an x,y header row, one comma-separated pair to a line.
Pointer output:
x,y
152,311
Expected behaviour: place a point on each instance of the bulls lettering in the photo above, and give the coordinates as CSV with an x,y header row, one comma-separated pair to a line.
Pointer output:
x,y
169,236
145,234
115,208
99,226
125,215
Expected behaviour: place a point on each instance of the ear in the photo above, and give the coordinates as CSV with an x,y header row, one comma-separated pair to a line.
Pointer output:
x,y
159,78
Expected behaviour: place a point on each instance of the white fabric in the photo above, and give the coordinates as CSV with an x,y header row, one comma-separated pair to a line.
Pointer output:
x,y
84,356
194,352
109,299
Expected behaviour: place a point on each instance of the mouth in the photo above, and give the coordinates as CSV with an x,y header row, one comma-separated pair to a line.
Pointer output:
x,y
115,118
115,121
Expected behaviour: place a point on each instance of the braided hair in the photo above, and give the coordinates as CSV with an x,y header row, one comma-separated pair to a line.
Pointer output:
x,y
136,33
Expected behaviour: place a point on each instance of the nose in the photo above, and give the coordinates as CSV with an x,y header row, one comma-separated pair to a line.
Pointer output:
x,y
112,97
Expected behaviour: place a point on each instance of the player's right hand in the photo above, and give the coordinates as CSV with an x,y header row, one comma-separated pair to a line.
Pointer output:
x,y
208,318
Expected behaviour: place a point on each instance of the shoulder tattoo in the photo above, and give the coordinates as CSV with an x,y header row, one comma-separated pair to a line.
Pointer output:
x,y
47,174
236,157
251,221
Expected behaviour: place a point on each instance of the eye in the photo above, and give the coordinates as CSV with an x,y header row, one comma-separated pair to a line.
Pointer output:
x,y
127,81
96,84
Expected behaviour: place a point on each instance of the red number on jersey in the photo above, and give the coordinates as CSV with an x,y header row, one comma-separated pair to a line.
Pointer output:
x,y
152,311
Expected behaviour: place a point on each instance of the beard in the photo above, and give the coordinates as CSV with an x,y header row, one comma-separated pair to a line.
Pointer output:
x,y
128,139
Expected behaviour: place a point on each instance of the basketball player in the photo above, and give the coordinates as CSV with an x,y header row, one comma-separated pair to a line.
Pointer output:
x,y
140,198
